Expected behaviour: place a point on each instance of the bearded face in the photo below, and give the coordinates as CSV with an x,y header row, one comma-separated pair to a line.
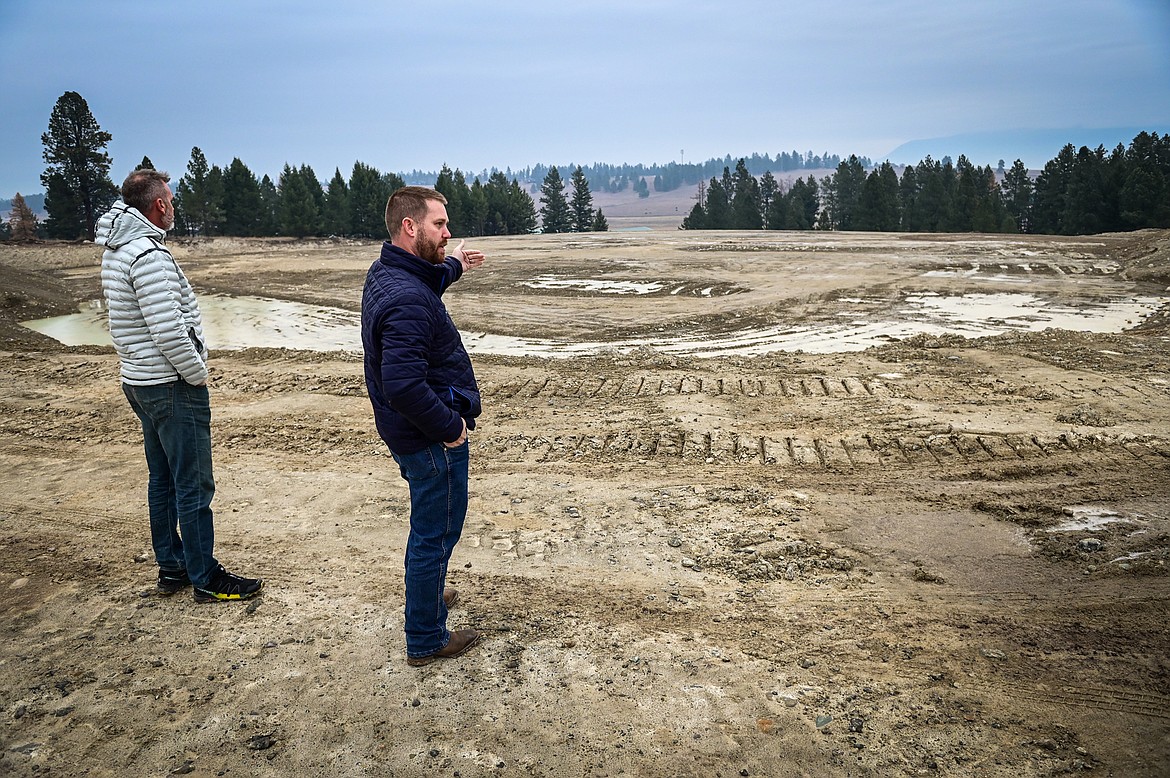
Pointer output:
x,y
428,248
430,239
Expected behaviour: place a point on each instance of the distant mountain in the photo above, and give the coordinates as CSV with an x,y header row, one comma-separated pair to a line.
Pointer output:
x,y
34,201
1033,147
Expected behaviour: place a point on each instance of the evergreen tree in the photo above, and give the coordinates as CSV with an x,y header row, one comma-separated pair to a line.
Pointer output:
x,y
1017,195
368,192
933,206
966,196
182,195
827,218
337,209
696,219
599,222
22,222
460,208
877,208
522,210
745,201
243,209
990,213
554,210
499,204
146,164
769,189
909,192
299,215
269,222
805,204
847,183
317,192
582,203
1050,191
201,199
718,208
477,208
1143,182
77,181
1142,199
1085,211
455,190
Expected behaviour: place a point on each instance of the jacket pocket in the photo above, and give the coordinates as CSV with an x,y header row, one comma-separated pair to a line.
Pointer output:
x,y
465,402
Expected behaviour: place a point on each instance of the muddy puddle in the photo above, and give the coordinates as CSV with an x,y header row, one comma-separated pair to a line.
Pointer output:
x,y
243,322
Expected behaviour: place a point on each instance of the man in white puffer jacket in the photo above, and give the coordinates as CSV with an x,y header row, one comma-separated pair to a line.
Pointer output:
x,y
158,334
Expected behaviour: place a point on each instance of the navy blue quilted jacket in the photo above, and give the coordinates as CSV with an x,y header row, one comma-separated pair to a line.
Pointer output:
x,y
418,374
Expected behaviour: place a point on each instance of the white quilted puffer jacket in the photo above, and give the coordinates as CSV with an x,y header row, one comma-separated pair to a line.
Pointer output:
x,y
154,316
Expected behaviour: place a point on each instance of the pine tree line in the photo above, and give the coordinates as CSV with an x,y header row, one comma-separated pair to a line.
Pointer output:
x,y
1079,192
673,175
212,201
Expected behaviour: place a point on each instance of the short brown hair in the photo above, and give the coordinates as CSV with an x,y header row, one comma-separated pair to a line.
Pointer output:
x,y
142,187
409,202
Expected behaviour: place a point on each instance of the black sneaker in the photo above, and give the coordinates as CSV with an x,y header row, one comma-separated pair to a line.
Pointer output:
x,y
225,586
171,581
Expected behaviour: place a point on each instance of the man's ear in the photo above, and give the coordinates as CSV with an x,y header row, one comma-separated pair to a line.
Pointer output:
x,y
408,226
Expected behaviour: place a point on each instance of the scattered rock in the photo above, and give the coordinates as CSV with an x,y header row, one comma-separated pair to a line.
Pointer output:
x,y
924,576
261,742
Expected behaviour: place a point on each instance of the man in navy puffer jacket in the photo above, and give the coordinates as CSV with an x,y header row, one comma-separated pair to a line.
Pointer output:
x,y
422,387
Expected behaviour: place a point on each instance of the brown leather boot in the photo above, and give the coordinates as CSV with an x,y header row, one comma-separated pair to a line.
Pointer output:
x,y
459,642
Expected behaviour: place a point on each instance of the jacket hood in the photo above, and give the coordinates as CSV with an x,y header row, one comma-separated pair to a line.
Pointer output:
x,y
122,224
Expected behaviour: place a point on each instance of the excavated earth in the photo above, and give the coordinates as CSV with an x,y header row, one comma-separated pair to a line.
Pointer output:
x,y
936,556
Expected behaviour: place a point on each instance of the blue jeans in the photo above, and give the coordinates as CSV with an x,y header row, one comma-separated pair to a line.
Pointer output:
x,y
437,477
176,430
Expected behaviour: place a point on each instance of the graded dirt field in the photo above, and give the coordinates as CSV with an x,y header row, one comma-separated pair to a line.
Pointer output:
x,y
938,556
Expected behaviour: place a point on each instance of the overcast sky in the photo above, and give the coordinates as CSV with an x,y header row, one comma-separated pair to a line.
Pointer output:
x,y
512,83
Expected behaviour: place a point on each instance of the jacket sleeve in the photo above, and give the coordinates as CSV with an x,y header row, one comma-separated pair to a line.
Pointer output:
x,y
156,282
407,331
452,271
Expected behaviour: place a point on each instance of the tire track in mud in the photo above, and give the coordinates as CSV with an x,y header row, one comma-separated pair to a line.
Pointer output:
x,y
791,385
1113,700
850,451
64,518
654,385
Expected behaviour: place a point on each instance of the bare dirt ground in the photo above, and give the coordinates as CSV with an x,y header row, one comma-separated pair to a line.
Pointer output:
x,y
937,557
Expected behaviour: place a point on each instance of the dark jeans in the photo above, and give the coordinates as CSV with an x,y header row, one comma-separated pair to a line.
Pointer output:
x,y
437,477
176,430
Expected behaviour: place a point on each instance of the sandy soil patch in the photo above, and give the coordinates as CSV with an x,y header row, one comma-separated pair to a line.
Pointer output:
x,y
937,557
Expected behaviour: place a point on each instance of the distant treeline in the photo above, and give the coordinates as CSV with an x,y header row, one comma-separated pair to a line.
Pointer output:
x,y
662,178
1078,192
211,200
